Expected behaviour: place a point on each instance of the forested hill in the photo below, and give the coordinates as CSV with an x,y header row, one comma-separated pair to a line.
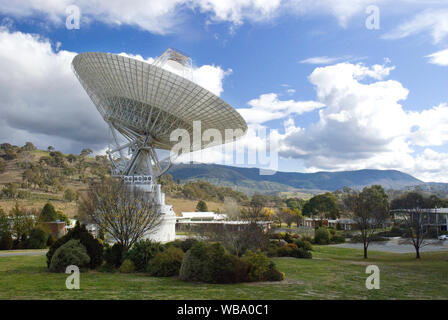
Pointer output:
x,y
249,178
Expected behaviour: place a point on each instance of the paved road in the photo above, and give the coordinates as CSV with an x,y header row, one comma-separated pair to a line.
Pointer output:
x,y
23,253
398,246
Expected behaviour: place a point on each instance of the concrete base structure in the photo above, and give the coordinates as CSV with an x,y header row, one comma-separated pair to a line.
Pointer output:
x,y
166,231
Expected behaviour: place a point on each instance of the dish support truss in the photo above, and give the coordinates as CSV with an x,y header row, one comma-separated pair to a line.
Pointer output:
x,y
143,160
141,170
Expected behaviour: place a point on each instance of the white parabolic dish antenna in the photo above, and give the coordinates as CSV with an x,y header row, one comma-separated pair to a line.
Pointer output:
x,y
145,103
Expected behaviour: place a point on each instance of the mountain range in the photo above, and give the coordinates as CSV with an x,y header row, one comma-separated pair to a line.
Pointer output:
x,y
249,180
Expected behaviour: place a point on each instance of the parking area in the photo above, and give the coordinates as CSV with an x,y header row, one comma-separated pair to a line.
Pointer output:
x,y
398,245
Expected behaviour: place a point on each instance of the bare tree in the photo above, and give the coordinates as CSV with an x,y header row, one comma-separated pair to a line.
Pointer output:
x,y
247,234
413,210
231,208
126,213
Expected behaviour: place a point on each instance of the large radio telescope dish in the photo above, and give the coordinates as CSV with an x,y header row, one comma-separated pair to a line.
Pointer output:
x,y
145,103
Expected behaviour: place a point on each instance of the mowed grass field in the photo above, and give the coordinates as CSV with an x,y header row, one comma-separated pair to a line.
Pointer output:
x,y
333,273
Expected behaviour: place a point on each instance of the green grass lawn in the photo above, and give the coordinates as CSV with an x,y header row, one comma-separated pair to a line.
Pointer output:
x,y
333,273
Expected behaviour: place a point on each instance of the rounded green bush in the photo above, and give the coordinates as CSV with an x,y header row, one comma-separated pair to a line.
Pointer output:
x,y
38,239
273,274
304,244
70,253
6,241
193,263
166,263
322,236
338,238
212,264
93,246
258,265
142,252
114,255
127,266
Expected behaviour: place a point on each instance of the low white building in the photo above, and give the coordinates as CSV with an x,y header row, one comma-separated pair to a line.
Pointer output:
x,y
201,216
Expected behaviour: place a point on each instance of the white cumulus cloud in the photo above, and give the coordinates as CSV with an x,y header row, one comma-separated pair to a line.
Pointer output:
x,y
43,102
269,107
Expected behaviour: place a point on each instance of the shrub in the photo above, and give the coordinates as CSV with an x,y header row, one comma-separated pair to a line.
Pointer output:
x,y
322,236
48,213
222,267
338,238
259,267
127,266
193,263
273,274
286,250
307,238
234,271
38,239
288,238
93,246
212,264
142,252
187,244
292,250
114,255
166,263
302,254
70,253
6,242
304,244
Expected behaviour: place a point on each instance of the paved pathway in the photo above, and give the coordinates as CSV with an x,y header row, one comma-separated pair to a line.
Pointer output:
x,y
22,253
398,246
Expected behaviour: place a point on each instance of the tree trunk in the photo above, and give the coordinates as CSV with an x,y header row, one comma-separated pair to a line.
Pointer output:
x,y
365,251
417,252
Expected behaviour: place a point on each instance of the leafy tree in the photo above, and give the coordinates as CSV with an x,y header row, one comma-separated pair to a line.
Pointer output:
x,y
201,206
322,205
254,210
48,213
287,216
93,246
371,210
10,190
4,222
85,152
37,239
295,203
71,158
70,195
21,222
28,146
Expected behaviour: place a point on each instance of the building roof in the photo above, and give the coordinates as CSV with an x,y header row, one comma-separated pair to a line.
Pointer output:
x,y
202,215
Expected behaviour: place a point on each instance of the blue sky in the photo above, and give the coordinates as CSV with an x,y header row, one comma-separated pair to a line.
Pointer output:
x,y
335,94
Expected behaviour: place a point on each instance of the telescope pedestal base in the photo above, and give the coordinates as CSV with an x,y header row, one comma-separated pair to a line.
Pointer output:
x,y
166,232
